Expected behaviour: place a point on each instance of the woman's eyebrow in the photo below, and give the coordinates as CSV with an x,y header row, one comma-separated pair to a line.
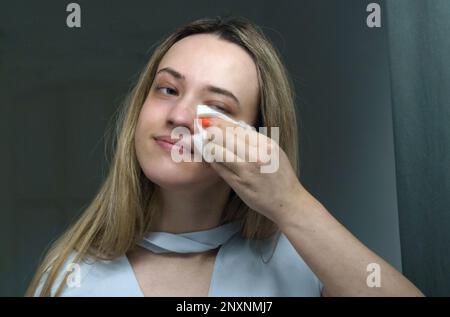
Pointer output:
x,y
221,91
173,72
210,88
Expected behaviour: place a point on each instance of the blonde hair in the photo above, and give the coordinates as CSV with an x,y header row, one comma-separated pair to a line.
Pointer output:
x,y
126,205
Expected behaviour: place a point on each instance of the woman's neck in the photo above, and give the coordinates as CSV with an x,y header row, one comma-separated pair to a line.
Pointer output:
x,y
188,210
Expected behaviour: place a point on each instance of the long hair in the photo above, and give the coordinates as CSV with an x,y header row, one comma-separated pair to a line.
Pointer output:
x,y
126,204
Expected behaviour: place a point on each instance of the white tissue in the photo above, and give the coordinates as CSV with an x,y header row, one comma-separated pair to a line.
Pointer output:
x,y
203,111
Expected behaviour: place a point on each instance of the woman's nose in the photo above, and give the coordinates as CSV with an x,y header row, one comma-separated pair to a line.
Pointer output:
x,y
182,114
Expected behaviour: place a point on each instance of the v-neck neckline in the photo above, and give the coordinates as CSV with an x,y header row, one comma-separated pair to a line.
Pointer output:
x,y
212,283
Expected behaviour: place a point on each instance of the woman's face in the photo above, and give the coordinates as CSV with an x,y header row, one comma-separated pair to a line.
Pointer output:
x,y
184,79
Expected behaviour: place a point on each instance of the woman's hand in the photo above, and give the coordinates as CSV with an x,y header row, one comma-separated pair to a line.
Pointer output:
x,y
271,194
342,262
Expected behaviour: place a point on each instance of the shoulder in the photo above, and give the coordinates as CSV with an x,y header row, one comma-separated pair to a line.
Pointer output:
x,y
271,267
291,262
92,277
60,276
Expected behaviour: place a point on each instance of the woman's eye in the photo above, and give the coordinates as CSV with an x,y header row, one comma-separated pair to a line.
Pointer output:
x,y
167,90
222,109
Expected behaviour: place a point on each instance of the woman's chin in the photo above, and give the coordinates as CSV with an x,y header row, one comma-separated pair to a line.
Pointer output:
x,y
180,175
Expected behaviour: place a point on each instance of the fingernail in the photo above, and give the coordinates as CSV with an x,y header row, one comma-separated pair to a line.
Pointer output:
x,y
206,122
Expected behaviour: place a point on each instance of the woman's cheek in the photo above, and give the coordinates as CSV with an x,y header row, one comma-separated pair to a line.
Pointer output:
x,y
155,113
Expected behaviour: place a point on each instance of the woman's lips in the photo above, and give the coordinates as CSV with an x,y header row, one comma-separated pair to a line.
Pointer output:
x,y
168,145
165,145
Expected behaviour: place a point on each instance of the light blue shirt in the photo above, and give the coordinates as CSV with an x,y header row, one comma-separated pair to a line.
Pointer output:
x,y
242,268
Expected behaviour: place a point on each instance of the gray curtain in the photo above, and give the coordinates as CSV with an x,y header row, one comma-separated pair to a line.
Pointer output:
x,y
419,45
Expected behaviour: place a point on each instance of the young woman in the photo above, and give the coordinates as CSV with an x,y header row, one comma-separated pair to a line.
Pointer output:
x,y
164,228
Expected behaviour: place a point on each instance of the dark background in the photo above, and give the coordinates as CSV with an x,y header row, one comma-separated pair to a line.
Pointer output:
x,y
59,88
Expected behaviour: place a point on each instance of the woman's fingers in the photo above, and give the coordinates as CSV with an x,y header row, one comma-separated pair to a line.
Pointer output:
x,y
217,154
236,139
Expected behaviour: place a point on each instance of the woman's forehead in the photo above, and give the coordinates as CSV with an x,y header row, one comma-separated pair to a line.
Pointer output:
x,y
205,59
